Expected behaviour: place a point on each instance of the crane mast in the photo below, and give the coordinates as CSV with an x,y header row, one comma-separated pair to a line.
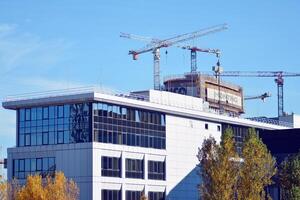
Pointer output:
x,y
278,80
155,45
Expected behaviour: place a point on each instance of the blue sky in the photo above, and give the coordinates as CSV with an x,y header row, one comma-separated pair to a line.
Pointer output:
x,y
46,45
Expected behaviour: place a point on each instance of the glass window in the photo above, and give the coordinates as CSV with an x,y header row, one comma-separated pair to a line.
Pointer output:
x,y
27,165
33,164
45,113
39,139
66,111
45,164
156,195
21,140
134,168
110,166
39,113
39,164
33,139
60,111
22,115
27,140
51,137
111,194
45,138
60,137
66,137
21,165
27,116
51,112
52,164
33,113
156,170
133,195
206,126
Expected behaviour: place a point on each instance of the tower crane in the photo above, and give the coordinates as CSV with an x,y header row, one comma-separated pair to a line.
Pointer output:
x,y
155,45
262,96
278,75
194,51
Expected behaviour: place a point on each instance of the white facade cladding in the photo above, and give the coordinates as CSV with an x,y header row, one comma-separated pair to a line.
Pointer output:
x,y
117,146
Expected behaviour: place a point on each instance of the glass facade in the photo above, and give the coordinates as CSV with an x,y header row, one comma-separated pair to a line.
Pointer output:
x,y
156,195
156,170
133,195
129,126
110,166
69,123
24,167
111,194
239,132
134,168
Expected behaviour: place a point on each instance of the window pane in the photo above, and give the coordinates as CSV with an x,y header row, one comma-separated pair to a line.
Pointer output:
x,y
33,139
45,164
21,140
27,117
39,113
45,113
60,111
22,115
66,137
27,139
33,113
45,138
51,138
27,165
60,137
39,164
21,165
52,164
51,112
66,110
39,139
33,164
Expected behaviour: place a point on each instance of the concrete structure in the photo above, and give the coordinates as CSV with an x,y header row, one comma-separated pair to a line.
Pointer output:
x,y
291,118
117,146
208,88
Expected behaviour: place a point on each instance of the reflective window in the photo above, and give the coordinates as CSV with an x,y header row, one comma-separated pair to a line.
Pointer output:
x,y
110,166
156,170
134,168
128,126
111,194
24,167
133,195
156,195
54,125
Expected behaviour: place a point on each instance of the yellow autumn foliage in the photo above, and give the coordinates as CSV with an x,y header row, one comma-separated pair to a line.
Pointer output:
x,y
58,188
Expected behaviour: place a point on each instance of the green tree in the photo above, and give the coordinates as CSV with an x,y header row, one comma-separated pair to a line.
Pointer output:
x,y
289,177
218,170
257,170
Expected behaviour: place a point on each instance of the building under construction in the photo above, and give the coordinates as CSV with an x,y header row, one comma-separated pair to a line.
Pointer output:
x,y
209,89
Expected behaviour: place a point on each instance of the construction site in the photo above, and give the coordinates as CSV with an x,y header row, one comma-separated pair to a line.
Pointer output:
x,y
223,97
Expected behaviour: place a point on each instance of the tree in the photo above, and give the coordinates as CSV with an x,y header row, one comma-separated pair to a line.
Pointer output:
x,y
3,189
143,197
257,170
58,188
218,170
289,177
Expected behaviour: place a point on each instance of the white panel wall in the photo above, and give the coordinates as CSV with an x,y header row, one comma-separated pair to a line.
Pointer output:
x,y
75,160
184,136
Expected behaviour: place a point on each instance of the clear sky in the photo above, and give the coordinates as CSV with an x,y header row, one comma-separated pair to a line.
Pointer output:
x,y
46,45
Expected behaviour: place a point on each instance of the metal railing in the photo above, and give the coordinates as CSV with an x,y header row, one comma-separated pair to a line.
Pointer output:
x,y
90,89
